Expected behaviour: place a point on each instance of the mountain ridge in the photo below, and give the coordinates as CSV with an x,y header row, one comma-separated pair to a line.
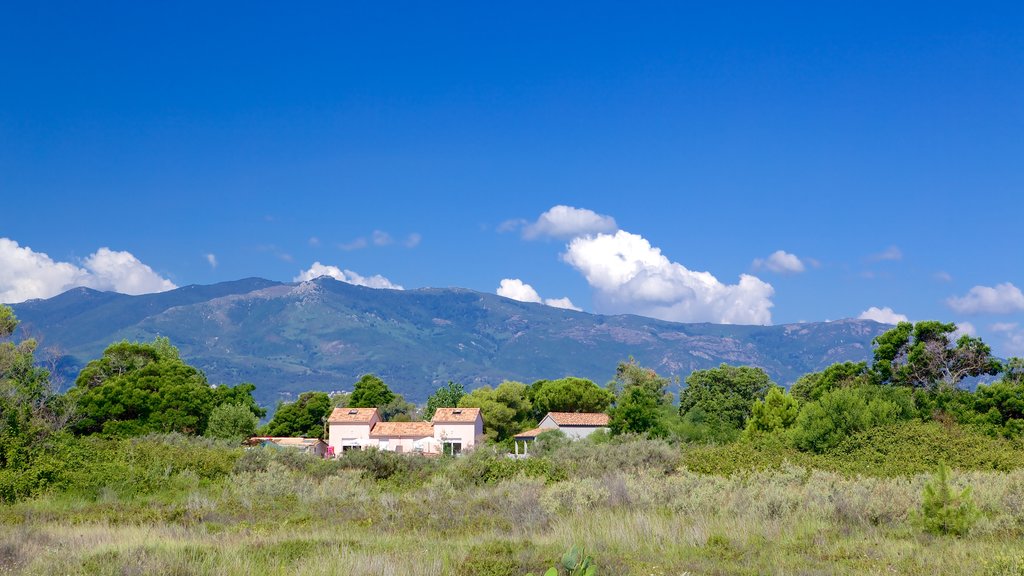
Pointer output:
x,y
289,337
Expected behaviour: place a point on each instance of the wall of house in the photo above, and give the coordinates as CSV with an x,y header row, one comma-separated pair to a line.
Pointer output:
x,y
577,432
341,434
407,444
468,433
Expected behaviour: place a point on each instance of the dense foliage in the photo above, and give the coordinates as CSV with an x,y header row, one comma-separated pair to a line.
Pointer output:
x,y
140,388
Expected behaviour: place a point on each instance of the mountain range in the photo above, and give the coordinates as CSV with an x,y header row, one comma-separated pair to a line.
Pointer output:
x,y
322,334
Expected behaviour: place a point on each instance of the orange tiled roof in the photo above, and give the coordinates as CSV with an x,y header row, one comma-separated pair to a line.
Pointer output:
x,y
402,430
456,415
579,418
531,434
352,415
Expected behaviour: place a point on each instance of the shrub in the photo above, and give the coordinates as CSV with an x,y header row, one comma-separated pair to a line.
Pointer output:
x,y
944,512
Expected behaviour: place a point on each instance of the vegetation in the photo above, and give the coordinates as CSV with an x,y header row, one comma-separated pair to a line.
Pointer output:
x,y
860,468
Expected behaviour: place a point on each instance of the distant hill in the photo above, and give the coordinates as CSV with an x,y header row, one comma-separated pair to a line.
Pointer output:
x,y
323,334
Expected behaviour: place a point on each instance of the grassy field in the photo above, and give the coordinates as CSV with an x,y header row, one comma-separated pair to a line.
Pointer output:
x,y
642,512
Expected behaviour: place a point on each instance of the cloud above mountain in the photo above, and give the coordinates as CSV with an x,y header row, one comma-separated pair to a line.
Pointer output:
x,y
26,274
629,275
885,315
516,289
318,270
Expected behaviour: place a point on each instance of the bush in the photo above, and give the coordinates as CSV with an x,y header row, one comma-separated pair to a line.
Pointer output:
x,y
944,512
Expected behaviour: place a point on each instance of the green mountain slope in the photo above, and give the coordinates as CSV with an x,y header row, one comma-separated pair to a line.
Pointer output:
x,y
323,334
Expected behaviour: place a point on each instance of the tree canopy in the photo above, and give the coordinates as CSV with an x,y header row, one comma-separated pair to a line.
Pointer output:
x,y
446,396
305,417
137,388
370,392
568,395
30,410
728,392
506,410
923,355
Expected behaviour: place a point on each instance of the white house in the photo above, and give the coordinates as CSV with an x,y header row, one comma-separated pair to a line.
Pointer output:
x,y
575,425
458,429
451,431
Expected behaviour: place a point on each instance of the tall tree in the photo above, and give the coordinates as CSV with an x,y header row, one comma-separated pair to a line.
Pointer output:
x,y
728,392
370,392
137,388
447,396
506,409
30,410
810,387
923,355
305,417
569,395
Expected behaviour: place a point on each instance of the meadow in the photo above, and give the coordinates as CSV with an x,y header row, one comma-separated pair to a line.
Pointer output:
x,y
182,505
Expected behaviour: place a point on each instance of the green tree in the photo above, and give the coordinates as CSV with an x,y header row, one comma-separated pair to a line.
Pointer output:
x,y
810,387
232,422
728,392
397,410
30,410
569,395
138,388
370,392
447,396
630,374
824,423
636,411
778,411
305,417
506,410
945,512
922,355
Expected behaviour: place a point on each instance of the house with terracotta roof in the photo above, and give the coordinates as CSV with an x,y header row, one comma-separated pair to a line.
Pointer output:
x,y
458,429
575,425
349,429
450,431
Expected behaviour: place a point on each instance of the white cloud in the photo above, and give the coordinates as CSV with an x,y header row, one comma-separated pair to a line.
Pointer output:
x,y
1013,337
357,244
511,225
890,253
212,260
381,238
564,303
631,276
781,262
964,329
884,315
567,222
26,274
317,270
516,289
1001,299
314,241
943,276
413,240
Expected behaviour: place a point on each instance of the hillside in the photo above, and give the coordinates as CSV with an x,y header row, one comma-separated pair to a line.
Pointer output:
x,y
323,334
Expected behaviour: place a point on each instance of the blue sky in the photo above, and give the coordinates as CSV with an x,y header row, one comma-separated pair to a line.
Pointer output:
x,y
879,147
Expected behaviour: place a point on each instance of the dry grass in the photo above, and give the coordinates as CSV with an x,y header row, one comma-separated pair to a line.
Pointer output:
x,y
790,521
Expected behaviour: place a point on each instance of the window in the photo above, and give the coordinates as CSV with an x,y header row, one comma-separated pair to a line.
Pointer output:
x,y
452,448
349,447
398,448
